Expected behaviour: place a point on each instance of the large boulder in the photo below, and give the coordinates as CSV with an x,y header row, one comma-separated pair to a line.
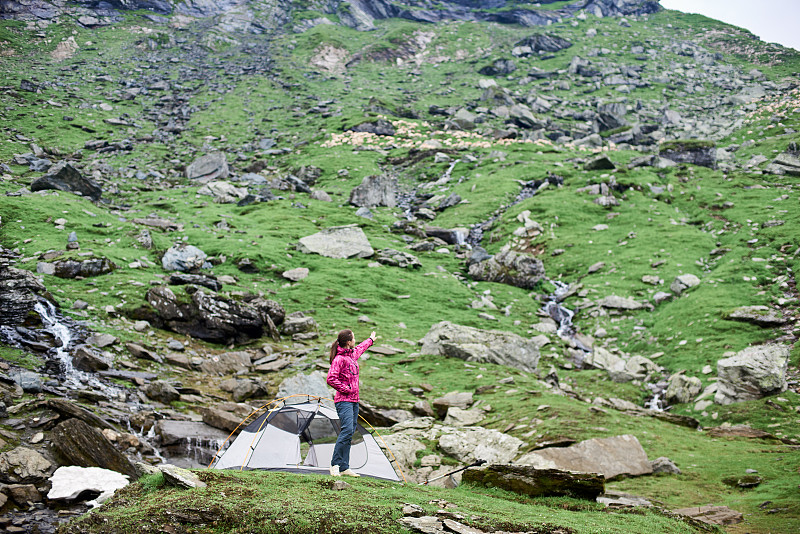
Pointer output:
x,y
185,258
533,482
509,267
212,317
298,323
377,127
64,177
314,383
485,346
544,42
453,399
208,168
702,153
752,373
377,190
682,389
611,457
405,448
337,242
161,391
227,363
470,444
84,268
786,163
684,282
76,443
23,465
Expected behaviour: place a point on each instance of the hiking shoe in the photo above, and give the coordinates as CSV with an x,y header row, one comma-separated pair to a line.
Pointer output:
x,y
350,473
335,470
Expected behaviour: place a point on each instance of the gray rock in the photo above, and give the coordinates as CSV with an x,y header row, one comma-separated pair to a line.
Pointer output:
x,y
499,67
77,443
694,152
760,315
510,267
715,515
684,282
85,268
85,359
101,340
384,417
543,42
227,363
64,177
208,168
184,258
476,345
453,399
396,258
223,192
298,323
138,351
320,195
29,381
619,303
664,465
682,389
313,383
611,457
470,444
377,127
246,389
459,417
752,373
376,190
295,275
599,163
337,242
18,294
533,482
161,391
23,465
451,236
786,163
182,279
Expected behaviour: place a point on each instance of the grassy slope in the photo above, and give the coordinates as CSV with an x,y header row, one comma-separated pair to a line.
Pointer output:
x,y
675,227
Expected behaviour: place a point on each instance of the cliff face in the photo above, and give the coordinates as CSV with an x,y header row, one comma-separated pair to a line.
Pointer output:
x,y
358,14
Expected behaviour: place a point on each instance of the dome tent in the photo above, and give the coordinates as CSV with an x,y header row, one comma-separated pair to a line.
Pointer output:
x,y
299,438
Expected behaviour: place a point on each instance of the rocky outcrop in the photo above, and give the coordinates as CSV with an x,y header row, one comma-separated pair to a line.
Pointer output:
x,y
476,345
337,242
76,443
184,258
510,267
533,482
64,177
85,268
682,388
212,317
18,294
611,457
377,127
752,373
397,258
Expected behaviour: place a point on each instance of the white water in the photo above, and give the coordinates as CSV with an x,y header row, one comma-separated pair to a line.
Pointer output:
x,y
72,377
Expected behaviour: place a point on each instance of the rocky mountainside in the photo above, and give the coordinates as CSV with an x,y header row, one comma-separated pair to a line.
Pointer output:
x,y
570,223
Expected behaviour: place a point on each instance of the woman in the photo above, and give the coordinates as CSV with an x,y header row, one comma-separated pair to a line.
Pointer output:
x,y
343,377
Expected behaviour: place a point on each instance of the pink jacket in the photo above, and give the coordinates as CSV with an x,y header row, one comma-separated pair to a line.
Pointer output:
x,y
343,374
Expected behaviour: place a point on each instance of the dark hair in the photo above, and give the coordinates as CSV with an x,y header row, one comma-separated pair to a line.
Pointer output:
x,y
341,341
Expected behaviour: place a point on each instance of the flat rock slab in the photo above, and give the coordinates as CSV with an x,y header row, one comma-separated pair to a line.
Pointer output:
x,y
752,373
528,480
180,478
713,515
760,315
338,242
611,457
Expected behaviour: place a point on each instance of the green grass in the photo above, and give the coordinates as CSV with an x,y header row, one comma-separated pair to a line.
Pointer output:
x,y
278,502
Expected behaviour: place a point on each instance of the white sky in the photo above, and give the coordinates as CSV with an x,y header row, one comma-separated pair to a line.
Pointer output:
x,y
774,21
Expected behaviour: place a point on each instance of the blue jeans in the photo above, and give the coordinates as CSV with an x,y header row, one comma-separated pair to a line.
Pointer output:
x,y
348,417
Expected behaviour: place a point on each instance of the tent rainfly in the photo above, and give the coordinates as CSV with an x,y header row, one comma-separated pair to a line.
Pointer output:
x,y
299,438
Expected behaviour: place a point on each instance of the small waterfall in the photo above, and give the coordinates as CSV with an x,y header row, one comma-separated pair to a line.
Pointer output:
x,y
50,320
73,378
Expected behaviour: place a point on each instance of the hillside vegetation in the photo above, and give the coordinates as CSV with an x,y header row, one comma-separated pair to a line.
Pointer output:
x,y
517,152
